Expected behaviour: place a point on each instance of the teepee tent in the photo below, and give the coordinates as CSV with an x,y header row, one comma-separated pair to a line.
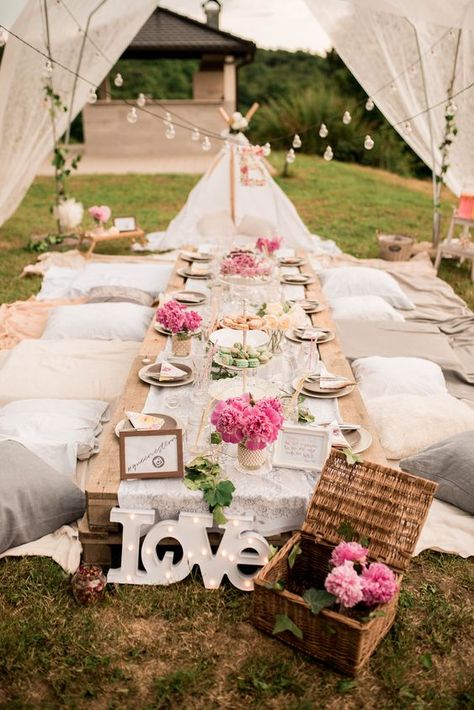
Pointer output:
x,y
237,188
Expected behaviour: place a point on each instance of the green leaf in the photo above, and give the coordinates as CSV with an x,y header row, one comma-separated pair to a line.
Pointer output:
x,y
284,623
364,541
216,438
347,531
192,485
318,599
219,517
345,686
295,551
273,551
210,497
277,586
304,415
352,458
224,491
426,661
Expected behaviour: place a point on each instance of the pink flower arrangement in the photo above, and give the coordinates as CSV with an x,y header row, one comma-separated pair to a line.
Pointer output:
x,y
241,420
100,214
267,245
372,584
245,264
174,317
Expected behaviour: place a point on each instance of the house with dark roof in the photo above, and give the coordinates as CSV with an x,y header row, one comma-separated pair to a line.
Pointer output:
x,y
169,35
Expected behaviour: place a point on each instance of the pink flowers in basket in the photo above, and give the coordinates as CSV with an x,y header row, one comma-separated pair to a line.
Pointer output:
x,y
268,245
174,317
100,214
241,420
246,265
352,580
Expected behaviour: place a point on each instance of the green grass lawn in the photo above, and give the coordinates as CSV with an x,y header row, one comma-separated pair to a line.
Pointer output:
x,y
182,646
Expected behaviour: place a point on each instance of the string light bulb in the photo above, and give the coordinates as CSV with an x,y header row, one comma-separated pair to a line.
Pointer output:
x,y
368,142
206,144
323,130
346,118
407,127
451,108
141,100
170,131
393,87
328,154
3,37
118,81
267,149
132,115
296,141
369,104
195,136
290,156
48,67
168,118
92,97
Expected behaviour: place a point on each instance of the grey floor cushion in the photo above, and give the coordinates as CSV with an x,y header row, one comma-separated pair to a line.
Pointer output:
x,y
34,498
450,463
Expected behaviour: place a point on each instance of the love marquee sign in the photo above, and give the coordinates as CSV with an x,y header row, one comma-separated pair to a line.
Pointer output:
x,y
238,546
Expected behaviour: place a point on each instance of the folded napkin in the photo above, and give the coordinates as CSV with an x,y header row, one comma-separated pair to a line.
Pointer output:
x,y
169,372
189,298
144,421
310,333
337,437
330,381
199,269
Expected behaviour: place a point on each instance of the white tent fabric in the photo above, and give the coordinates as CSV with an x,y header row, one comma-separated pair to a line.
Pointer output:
x,y
381,42
212,194
25,125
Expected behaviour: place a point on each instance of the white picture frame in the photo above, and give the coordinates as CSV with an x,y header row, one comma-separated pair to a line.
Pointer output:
x,y
149,453
302,447
125,224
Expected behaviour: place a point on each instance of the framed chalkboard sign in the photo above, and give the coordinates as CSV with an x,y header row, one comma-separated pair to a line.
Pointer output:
x,y
302,447
151,454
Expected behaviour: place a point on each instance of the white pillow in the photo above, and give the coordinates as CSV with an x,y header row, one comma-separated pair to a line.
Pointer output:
x,y
77,422
98,321
216,225
363,308
382,376
61,456
151,278
363,281
407,424
254,226
57,283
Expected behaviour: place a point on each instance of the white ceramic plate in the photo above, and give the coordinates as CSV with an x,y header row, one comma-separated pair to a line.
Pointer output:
x,y
181,297
291,261
191,256
290,335
226,337
124,424
186,274
333,394
362,443
223,389
298,279
145,377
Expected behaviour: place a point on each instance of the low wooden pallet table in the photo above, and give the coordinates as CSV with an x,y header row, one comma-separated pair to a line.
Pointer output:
x,y
136,235
96,532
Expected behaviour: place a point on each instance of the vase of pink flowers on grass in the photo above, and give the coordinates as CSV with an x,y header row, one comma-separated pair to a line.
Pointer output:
x,y
101,215
252,425
182,325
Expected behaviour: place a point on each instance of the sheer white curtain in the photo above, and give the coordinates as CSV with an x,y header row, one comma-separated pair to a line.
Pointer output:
x,y
379,39
26,136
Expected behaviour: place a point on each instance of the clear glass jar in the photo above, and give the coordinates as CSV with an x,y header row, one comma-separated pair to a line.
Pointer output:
x,y
88,584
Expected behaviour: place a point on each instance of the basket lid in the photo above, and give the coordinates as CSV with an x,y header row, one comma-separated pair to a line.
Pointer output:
x,y
385,505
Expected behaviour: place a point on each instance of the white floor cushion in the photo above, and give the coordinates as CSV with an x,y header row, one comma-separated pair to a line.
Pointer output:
x,y
151,278
363,281
216,225
98,321
383,376
254,226
407,424
363,308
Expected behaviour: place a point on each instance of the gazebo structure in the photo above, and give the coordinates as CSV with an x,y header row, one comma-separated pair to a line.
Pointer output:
x,y
168,35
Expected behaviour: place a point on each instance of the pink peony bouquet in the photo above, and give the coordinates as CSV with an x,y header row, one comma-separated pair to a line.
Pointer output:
x,y
246,265
267,245
100,214
353,580
174,317
241,420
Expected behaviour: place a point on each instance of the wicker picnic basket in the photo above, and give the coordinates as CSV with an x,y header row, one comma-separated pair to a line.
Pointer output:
x,y
382,504
395,247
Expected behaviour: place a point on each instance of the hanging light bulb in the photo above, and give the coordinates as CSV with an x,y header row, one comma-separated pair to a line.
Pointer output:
x,y
368,143
413,69
328,154
206,144
407,127
227,145
195,135
3,37
393,87
141,100
296,141
323,131
92,96
132,115
451,108
118,81
290,156
48,68
369,104
168,118
346,118
267,150
170,131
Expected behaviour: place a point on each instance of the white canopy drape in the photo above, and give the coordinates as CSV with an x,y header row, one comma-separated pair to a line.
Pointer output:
x,y
26,136
381,42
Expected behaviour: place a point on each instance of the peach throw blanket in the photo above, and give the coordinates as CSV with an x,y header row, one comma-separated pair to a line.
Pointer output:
x,y
26,319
